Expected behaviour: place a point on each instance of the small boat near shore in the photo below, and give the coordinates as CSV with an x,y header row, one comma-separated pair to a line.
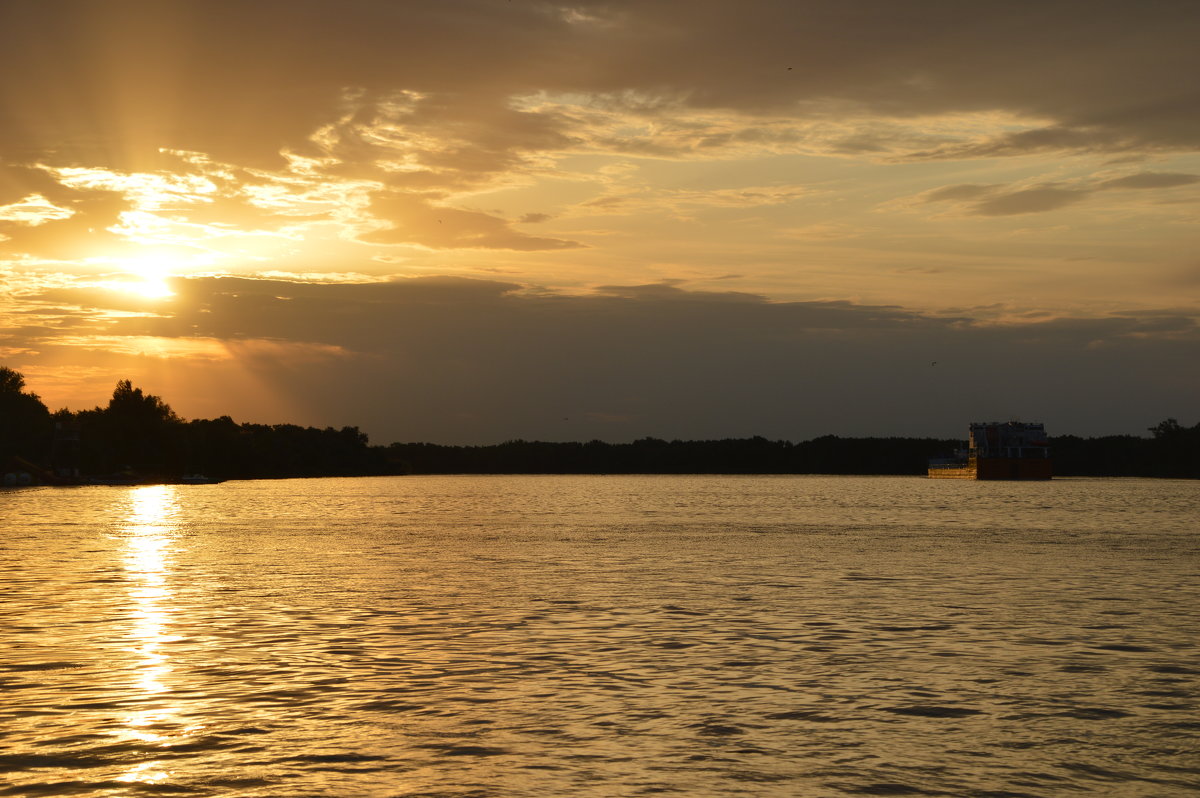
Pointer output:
x,y
127,480
198,479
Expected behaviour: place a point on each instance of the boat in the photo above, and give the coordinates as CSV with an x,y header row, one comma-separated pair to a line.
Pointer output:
x,y
128,478
18,472
998,450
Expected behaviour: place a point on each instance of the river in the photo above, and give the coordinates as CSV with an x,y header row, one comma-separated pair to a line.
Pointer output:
x,y
602,636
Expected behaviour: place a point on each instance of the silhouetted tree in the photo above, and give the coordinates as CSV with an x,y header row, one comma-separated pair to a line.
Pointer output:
x,y
25,427
11,381
1176,449
136,430
1166,429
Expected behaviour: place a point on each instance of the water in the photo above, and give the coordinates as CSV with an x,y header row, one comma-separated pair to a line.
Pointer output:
x,y
601,636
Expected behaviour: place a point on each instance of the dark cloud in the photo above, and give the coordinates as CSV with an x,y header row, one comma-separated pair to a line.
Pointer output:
x,y
965,191
434,100
109,83
473,361
999,200
1151,180
670,291
1025,142
1030,200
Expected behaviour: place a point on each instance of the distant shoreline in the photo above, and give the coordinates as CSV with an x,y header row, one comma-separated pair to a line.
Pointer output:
x,y
137,437
284,451
222,450
1060,478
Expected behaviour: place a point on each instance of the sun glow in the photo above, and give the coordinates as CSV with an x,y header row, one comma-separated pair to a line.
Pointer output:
x,y
150,288
148,276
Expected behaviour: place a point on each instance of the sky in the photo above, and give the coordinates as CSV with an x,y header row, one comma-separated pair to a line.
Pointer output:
x,y
470,221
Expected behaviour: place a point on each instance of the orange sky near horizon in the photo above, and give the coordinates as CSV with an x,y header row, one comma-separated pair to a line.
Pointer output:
x,y
472,220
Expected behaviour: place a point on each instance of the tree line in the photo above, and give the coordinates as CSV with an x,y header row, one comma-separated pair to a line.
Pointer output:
x,y
139,434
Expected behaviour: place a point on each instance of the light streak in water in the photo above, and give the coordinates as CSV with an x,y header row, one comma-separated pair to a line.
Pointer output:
x,y
150,533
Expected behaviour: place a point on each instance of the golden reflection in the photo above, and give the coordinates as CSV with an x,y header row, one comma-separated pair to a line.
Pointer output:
x,y
150,535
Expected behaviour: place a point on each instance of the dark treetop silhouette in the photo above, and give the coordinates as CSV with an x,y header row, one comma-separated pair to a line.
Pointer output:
x,y
139,434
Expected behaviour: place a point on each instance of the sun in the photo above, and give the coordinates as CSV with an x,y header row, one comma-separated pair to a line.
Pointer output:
x,y
148,276
154,270
149,288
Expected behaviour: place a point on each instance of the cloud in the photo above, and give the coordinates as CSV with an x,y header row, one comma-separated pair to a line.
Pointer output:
x,y
1030,200
632,199
830,231
369,136
475,361
670,291
33,210
367,81
282,135
961,192
1055,138
73,224
416,220
1150,180
1000,200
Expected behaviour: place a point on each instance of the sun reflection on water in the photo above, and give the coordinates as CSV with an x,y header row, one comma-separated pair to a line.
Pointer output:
x,y
150,532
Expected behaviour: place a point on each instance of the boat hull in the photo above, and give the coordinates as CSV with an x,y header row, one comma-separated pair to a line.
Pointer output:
x,y
952,472
996,468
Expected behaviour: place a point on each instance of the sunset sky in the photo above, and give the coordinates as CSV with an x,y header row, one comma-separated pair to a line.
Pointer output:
x,y
467,221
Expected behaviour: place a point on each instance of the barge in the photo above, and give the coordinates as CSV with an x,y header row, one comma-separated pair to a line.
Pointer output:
x,y
998,450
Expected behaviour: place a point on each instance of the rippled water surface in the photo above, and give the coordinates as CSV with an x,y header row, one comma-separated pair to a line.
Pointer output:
x,y
602,636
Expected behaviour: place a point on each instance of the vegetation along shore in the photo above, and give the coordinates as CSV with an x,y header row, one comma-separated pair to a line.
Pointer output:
x,y
138,436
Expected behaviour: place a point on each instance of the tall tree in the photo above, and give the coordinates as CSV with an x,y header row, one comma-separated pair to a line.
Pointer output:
x,y
11,381
129,403
136,430
25,427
